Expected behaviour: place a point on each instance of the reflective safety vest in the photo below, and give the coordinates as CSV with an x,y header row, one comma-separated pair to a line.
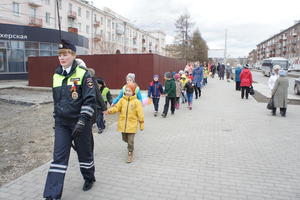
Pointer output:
x,y
104,94
78,75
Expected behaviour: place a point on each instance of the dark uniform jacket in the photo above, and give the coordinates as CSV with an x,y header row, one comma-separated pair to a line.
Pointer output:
x,y
67,105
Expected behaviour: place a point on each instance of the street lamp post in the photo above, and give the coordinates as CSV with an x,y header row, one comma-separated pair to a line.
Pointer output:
x,y
125,23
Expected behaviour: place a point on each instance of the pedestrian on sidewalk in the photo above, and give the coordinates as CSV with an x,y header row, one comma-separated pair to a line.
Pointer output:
x,y
246,81
170,92
107,98
179,89
280,93
205,76
189,87
155,90
130,78
131,114
74,106
274,77
228,72
238,71
183,82
222,71
213,71
197,79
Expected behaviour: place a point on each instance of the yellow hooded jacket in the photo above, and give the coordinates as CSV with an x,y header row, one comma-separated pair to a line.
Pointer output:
x,y
131,113
183,80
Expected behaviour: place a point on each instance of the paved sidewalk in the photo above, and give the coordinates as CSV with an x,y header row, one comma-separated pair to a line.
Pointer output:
x,y
225,148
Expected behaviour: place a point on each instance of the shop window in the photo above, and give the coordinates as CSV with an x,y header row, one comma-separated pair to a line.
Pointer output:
x,y
45,53
15,44
2,44
31,45
16,60
3,63
31,53
45,46
55,47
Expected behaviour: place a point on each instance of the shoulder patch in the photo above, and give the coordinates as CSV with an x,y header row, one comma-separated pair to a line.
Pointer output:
x,y
89,82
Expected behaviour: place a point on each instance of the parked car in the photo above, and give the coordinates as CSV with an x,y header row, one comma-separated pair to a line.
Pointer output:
x,y
297,86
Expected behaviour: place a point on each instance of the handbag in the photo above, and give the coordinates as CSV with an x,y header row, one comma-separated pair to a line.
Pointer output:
x,y
252,92
270,104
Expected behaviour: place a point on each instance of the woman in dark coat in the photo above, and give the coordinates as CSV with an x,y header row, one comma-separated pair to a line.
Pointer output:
x,y
280,93
222,72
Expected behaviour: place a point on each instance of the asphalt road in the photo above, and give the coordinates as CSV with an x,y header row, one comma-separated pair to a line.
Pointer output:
x,y
260,78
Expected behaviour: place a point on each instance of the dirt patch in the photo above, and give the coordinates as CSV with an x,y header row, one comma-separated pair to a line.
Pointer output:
x,y
26,138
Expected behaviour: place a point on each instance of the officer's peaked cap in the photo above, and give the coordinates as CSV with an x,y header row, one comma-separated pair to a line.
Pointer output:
x,y
66,44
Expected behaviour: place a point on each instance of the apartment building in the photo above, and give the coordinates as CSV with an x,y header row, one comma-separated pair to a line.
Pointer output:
x,y
284,44
30,28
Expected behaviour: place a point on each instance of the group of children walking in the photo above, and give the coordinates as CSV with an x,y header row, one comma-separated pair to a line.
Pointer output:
x,y
178,87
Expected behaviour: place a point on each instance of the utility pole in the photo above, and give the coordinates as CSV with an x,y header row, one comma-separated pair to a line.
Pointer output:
x,y
225,49
125,23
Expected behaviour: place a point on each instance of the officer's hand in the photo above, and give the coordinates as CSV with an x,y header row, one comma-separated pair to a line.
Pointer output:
x,y
78,129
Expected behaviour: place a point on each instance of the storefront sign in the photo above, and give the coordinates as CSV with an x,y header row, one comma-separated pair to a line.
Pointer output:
x,y
13,36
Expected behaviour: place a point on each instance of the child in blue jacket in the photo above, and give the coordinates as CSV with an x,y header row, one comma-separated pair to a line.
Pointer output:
x,y
155,90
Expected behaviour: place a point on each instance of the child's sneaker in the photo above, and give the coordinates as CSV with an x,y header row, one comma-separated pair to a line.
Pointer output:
x,y
130,157
190,107
164,115
155,114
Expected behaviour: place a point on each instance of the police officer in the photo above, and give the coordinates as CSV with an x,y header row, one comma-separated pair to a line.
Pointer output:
x,y
74,105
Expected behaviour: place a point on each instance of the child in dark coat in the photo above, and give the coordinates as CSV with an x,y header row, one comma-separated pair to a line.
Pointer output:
x,y
189,87
155,89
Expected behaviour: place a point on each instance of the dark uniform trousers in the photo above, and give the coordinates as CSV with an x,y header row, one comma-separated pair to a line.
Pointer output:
x,y
62,146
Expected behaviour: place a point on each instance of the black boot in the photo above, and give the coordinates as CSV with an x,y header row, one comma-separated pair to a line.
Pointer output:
x,y
87,185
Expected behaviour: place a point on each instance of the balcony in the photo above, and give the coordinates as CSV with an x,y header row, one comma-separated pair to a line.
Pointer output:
x,y
34,3
97,38
72,14
294,34
96,23
73,30
36,22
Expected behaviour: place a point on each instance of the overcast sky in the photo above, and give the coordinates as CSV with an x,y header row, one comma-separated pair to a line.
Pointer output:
x,y
248,22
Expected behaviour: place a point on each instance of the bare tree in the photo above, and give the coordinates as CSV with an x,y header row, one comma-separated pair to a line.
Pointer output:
x,y
183,29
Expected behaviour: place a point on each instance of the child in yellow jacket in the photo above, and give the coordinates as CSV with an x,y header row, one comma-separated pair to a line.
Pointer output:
x,y
131,115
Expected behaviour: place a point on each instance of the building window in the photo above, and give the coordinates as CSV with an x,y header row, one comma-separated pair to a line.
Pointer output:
x,y
47,18
102,21
87,14
79,11
79,27
16,8
33,12
87,29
